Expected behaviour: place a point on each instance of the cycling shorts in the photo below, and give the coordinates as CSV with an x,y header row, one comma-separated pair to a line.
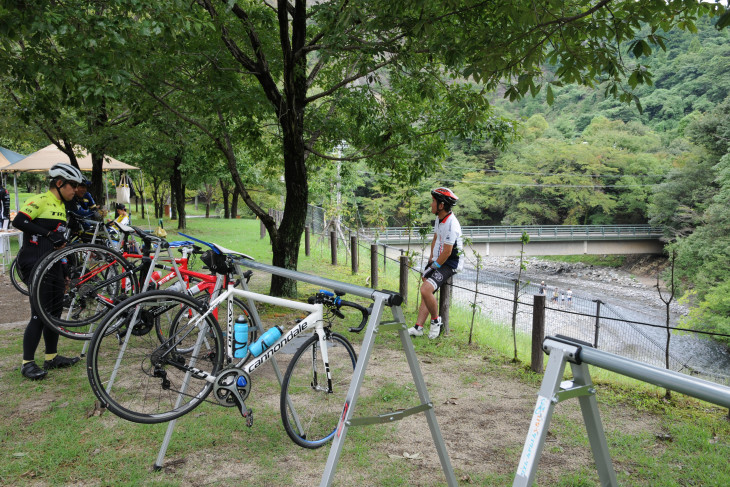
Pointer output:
x,y
436,277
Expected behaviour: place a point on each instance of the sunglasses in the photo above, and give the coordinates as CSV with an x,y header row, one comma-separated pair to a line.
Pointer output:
x,y
73,184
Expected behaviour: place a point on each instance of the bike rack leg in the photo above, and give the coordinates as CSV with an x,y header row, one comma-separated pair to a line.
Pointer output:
x,y
594,427
438,439
541,416
359,374
552,391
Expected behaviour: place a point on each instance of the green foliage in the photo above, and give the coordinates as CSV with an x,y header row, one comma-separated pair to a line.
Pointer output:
x,y
695,204
713,312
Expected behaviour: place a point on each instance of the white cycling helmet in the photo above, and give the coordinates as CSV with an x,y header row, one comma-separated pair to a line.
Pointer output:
x,y
67,172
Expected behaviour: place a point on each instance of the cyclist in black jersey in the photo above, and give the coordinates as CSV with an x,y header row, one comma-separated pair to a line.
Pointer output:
x,y
42,219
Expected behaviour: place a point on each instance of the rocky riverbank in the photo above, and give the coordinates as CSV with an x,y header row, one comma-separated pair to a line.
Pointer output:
x,y
633,284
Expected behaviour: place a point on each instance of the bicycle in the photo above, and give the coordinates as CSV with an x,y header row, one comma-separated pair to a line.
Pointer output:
x,y
145,380
95,278
75,234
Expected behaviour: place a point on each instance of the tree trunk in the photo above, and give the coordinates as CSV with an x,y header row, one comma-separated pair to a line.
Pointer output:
x,y
97,179
178,191
289,235
226,191
141,196
234,202
173,198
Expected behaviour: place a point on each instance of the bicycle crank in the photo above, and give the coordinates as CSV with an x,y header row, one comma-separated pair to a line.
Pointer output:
x,y
231,388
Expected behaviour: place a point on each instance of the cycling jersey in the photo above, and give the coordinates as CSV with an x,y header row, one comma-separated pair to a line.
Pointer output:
x,y
38,216
86,202
122,219
448,232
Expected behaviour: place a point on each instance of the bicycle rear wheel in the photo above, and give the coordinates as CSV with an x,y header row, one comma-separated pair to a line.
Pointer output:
x,y
141,379
17,279
74,287
310,404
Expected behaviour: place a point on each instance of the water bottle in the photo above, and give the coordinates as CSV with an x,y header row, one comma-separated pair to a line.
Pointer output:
x,y
266,340
194,290
153,280
240,337
179,286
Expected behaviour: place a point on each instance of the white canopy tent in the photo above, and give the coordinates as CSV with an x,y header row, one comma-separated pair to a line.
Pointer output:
x,y
45,158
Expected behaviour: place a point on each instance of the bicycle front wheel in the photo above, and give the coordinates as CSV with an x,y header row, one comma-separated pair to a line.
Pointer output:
x,y
145,380
74,287
311,400
17,279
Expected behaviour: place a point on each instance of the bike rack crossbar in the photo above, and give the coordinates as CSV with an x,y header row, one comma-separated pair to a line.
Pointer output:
x,y
554,390
389,417
669,379
393,298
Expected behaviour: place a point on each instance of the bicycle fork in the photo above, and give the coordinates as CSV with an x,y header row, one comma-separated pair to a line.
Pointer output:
x,y
325,360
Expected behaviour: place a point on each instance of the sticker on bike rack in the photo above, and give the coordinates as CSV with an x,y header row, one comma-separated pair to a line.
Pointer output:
x,y
532,443
342,419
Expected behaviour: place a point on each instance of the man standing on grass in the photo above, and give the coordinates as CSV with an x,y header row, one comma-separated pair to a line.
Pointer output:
x,y
444,261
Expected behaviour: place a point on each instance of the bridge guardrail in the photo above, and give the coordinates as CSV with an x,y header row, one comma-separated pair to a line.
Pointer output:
x,y
536,232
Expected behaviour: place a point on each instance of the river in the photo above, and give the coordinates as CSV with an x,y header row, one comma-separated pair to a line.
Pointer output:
x,y
623,298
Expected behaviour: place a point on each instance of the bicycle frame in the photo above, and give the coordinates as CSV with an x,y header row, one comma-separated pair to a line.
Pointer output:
x,y
313,320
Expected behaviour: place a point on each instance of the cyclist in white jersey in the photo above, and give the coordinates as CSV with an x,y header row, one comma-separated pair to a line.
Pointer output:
x,y
444,261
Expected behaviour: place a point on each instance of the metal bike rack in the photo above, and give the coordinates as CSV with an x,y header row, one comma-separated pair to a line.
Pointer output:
x,y
381,300
554,390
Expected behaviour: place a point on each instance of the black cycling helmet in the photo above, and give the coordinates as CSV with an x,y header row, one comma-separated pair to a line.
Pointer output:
x,y
445,196
120,206
86,183
67,172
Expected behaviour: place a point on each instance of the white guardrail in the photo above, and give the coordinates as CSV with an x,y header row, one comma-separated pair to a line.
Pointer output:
x,y
536,232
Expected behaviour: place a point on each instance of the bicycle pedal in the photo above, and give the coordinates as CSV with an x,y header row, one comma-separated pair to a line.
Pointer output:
x,y
248,414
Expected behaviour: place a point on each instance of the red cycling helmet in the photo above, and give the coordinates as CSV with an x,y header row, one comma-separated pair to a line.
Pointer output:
x,y
444,195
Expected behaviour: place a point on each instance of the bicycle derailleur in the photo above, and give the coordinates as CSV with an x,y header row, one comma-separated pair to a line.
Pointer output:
x,y
231,388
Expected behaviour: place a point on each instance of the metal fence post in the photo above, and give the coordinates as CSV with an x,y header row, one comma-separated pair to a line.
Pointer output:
x,y
598,321
333,247
263,229
445,304
538,332
403,287
355,255
374,266
307,249
385,256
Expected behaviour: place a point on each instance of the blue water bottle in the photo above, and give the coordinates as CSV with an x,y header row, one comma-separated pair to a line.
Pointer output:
x,y
266,340
240,337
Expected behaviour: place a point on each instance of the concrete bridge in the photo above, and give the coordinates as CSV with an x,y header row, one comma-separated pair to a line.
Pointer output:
x,y
503,241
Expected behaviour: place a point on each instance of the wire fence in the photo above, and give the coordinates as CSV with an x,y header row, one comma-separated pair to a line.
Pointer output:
x,y
615,327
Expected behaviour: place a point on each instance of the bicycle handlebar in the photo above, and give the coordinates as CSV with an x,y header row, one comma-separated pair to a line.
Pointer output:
x,y
365,315
334,303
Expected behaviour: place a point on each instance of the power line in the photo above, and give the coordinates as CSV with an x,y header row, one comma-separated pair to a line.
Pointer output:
x,y
532,185
545,185
499,171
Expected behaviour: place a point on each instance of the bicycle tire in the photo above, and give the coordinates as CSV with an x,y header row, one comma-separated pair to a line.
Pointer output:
x,y
84,282
17,279
142,380
318,410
